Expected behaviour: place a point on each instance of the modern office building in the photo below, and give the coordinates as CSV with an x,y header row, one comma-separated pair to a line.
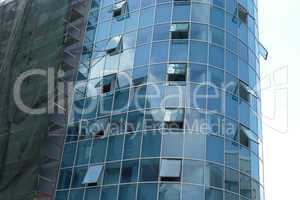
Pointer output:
x,y
167,104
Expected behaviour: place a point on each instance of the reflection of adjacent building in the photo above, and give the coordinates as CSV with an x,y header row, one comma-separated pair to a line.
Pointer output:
x,y
46,36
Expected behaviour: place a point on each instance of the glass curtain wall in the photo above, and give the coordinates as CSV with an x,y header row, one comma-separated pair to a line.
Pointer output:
x,y
166,105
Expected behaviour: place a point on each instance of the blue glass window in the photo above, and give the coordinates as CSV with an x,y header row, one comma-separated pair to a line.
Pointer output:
x,y
232,154
83,152
149,170
132,145
131,22
198,52
231,180
151,144
214,175
217,36
99,150
181,12
217,17
147,192
179,50
155,95
194,145
115,147
195,120
137,98
130,171
64,178
144,36
135,121
200,13
157,73
163,13
159,52
232,106
153,119
172,144
199,32
78,176
139,76
175,96
68,155
109,193
61,195
215,100
146,17
92,193
245,186
112,173
196,98
161,32
231,63
215,77
216,56
215,124
117,124
192,192
213,194
169,192
121,100
214,148
197,73
127,192
142,55
76,194
193,171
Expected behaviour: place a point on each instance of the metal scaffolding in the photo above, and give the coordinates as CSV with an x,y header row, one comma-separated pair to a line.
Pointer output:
x,y
36,34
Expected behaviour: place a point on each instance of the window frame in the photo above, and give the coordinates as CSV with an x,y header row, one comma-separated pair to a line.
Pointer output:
x,y
170,170
180,31
177,72
95,170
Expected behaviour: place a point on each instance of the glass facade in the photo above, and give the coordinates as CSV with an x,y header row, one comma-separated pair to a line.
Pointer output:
x,y
167,103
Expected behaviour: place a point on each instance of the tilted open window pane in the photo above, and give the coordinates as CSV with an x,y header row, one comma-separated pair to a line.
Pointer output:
x,y
263,51
174,118
108,83
246,136
242,14
180,31
177,72
170,170
114,45
93,174
119,8
245,91
97,128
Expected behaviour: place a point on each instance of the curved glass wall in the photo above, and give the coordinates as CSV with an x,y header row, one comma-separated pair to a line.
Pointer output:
x,y
167,104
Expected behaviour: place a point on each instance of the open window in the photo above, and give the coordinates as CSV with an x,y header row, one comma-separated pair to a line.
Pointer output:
x,y
109,82
242,14
245,91
99,128
170,170
245,136
263,51
114,45
174,118
177,72
120,8
180,31
93,175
